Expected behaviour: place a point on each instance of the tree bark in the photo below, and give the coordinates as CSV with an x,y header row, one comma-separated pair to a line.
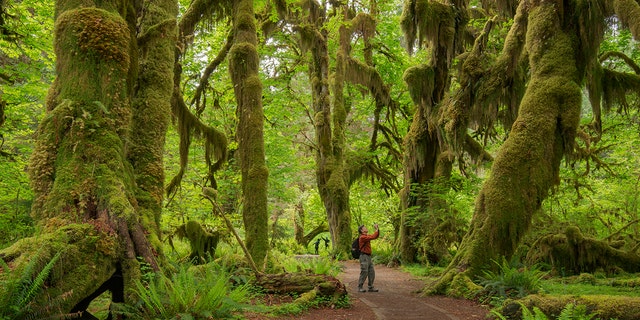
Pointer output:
x,y
243,68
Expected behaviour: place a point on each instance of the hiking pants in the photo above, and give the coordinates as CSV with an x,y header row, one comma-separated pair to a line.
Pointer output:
x,y
366,270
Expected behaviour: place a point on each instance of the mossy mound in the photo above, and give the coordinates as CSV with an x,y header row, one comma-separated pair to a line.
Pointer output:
x,y
601,306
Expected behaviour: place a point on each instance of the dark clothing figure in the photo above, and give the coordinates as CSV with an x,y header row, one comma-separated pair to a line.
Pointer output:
x,y
366,265
326,243
317,244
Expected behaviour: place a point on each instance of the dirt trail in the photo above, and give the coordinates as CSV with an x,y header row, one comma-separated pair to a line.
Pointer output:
x,y
397,298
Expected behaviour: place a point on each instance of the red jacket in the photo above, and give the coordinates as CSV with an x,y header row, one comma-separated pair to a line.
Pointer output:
x,y
365,241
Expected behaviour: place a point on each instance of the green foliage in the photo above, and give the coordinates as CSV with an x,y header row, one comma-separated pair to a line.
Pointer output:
x,y
511,281
442,221
569,312
536,314
26,70
200,293
18,292
619,286
299,305
315,265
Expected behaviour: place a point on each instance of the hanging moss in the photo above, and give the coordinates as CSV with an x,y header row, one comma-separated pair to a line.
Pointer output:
x,y
422,20
420,81
572,252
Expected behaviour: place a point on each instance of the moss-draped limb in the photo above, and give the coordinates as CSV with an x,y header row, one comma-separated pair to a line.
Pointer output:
x,y
457,110
215,141
504,83
574,253
423,20
212,66
367,76
243,68
527,165
628,11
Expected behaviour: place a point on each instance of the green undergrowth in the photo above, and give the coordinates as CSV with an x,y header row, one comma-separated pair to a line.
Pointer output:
x,y
587,284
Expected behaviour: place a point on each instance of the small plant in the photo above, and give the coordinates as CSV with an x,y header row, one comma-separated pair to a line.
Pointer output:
x,y
537,314
569,312
511,281
18,293
575,312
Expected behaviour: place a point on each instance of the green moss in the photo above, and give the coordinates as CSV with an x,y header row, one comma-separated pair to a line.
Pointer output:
x,y
86,260
203,242
603,307
628,11
420,80
462,287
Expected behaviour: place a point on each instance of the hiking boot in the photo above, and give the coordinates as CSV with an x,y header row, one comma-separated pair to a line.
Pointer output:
x,y
361,290
372,289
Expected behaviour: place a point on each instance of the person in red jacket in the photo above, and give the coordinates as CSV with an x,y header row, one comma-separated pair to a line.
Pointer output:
x,y
366,265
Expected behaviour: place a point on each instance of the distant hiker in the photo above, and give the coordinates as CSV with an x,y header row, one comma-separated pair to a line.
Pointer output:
x,y
366,265
317,244
326,243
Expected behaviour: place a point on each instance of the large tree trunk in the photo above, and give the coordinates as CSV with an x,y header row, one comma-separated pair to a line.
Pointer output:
x,y
527,164
152,108
243,67
330,168
97,211
424,156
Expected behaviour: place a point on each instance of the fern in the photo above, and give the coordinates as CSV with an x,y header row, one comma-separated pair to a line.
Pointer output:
x,y
575,312
18,294
537,314
36,285
191,294
512,281
569,312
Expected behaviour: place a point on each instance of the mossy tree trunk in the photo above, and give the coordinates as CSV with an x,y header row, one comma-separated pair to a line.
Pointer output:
x,y
425,155
332,169
527,164
331,174
338,167
152,107
98,189
243,67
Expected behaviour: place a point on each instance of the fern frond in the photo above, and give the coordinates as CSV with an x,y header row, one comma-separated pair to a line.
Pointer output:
x,y
36,285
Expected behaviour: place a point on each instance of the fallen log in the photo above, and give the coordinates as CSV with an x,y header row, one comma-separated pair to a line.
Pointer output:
x,y
299,283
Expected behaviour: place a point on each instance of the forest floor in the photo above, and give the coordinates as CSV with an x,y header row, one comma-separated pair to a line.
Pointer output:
x,y
398,298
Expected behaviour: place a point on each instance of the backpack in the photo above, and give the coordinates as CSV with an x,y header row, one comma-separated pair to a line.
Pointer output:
x,y
355,248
